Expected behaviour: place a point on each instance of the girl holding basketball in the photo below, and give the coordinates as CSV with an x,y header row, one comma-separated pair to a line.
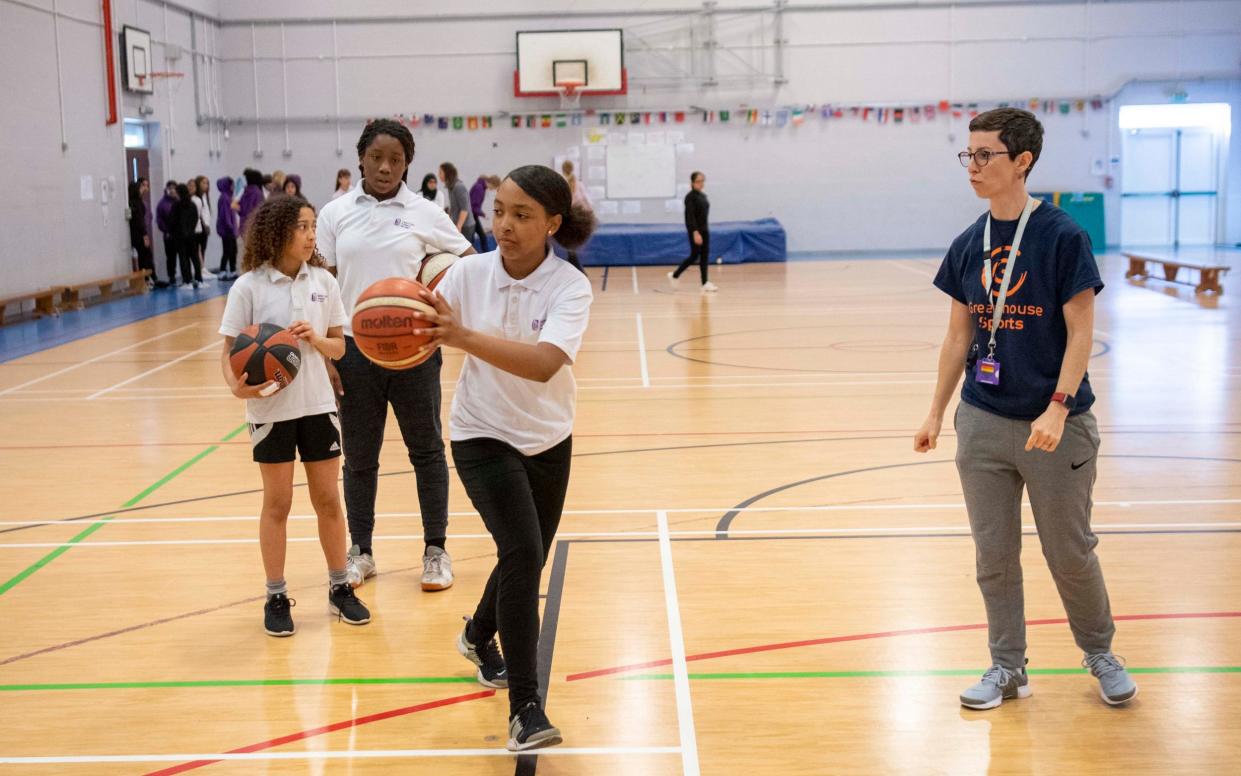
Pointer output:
x,y
285,283
519,313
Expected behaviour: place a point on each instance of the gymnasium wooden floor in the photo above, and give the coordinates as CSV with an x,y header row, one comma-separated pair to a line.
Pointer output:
x,y
755,573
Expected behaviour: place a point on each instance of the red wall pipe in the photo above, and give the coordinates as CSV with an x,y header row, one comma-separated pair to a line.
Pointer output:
x,y
109,64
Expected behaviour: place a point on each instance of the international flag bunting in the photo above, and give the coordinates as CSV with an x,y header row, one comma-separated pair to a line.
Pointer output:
x,y
646,118
428,120
882,115
929,110
516,122
605,119
414,121
472,122
973,109
866,113
708,116
1065,108
663,117
486,122
680,116
620,118
799,117
635,118
545,121
576,119
765,118
957,110
561,120
1096,103
724,115
1033,104
531,121
458,122
1079,106
944,106
443,122
898,115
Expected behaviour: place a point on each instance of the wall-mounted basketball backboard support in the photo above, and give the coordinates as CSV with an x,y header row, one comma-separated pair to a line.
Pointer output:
x,y
136,60
583,62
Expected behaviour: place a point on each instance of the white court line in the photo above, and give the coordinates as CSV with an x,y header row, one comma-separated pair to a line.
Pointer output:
x,y
634,269
908,530
648,510
646,375
135,378
676,642
93,360
347,754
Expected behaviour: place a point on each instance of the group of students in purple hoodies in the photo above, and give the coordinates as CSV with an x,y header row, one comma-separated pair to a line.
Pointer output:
x,y
183,217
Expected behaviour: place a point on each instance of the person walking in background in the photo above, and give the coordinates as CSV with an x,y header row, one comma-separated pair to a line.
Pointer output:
x,y
140,226
458,199
226,222
478,194
696,207
163,219
344,182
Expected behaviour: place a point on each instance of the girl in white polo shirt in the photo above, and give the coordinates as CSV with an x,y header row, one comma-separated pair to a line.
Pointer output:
x,y
519,313
382,229
285,284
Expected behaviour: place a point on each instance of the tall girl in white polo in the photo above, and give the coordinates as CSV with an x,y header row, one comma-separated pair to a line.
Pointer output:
x,y
519,313
382,229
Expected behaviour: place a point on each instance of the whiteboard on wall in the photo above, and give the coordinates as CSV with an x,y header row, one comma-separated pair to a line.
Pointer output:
x,y
641,171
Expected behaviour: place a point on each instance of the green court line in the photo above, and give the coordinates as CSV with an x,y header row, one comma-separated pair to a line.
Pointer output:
x,y
95,526
236,683
943,672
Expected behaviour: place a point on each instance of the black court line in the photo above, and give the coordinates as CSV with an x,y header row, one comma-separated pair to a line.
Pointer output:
x,y
726,521
527,764
605,278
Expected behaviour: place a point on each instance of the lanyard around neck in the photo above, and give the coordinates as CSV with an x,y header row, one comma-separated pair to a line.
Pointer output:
x,y
998,313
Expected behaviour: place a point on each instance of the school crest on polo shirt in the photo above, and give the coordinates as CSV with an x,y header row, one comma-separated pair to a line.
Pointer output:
x,y
402,223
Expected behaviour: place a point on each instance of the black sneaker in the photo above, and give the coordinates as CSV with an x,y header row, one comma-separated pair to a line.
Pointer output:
x,y
492,672
343,602
529,728
277,620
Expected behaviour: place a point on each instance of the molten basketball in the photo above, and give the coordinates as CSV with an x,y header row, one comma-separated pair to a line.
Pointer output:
x,y
384,324
433,268
265,351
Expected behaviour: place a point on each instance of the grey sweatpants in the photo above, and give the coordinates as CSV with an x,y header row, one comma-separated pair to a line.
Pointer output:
x,y
994,466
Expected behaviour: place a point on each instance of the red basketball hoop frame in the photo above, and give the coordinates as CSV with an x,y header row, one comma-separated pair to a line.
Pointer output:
x,y
157,74
570,93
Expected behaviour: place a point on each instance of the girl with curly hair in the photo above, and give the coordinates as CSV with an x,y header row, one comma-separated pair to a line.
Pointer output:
x,y
285,283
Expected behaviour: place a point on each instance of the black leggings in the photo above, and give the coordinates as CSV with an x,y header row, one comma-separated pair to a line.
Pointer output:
x,y
520,498
228,259
187,252
481,234
697,253
170,257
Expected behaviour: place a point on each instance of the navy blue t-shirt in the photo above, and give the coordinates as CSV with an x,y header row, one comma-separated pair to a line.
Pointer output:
x,y
1054,264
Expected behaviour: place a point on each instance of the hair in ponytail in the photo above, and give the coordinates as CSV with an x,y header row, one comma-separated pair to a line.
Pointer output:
x,y
545,186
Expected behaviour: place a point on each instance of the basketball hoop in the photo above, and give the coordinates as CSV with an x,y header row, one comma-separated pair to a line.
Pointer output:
x,y
570,94
162,74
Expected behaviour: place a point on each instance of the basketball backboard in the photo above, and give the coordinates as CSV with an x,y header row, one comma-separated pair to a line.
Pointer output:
x,y
136,60
591,61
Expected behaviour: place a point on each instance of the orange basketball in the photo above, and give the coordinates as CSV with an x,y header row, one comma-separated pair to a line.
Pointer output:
x,y
265,351
384,324
434,266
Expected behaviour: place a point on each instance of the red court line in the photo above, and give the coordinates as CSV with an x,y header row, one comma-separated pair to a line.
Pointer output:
x,y
182,768
865,636
290,738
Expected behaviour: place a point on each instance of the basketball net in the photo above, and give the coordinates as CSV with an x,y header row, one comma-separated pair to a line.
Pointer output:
x,y
570,97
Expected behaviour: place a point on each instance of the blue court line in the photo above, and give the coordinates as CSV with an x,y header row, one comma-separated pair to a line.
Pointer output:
x,y
27,337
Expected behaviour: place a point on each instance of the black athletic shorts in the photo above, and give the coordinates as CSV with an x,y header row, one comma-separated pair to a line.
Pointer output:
x,y
316,437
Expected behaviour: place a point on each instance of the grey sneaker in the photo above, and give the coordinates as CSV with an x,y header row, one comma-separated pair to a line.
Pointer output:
x,y
1115,684
436,569
530,728
492,672
673,280
709,287
359,567
997,685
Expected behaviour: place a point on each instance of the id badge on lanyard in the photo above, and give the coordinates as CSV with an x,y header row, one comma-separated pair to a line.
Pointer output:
x,y
987,370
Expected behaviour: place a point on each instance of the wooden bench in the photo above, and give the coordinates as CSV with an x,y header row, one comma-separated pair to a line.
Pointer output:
x,y
134,283
44,303
1208,274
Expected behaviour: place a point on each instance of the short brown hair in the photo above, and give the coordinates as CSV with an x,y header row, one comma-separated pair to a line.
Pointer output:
x,y
1019,131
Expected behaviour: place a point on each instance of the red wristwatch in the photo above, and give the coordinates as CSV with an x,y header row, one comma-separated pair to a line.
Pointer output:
x,y
1068,400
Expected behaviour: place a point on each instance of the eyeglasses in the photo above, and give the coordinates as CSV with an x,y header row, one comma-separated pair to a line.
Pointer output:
x,y
982,156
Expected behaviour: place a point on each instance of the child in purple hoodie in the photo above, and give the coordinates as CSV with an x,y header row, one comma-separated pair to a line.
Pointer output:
x,y
163,219
251,198
226,223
